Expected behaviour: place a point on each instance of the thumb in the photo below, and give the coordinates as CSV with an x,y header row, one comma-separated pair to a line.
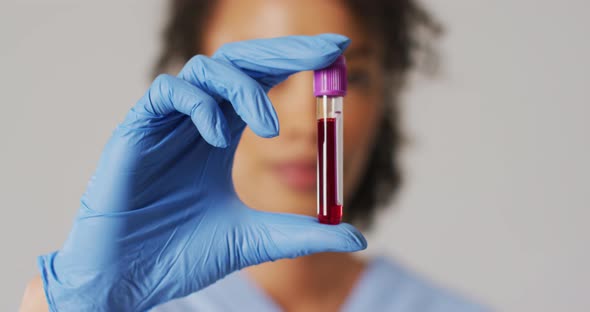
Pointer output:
x,y
291,235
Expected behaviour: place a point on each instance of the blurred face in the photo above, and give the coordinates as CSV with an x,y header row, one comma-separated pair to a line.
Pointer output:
x,y
279,174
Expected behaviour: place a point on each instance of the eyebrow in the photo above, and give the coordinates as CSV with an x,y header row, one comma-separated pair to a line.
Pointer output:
x,y
362,51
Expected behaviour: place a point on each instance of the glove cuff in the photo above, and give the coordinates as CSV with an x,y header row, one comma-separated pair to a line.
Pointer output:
x,y
45,265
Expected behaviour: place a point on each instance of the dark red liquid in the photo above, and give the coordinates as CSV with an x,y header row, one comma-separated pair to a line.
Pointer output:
x,y
328,181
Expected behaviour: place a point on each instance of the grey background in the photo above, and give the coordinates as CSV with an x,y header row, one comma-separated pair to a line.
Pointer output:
x,y
497,194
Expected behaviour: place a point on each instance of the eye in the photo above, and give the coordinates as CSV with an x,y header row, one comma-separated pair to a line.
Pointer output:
x,y
359,77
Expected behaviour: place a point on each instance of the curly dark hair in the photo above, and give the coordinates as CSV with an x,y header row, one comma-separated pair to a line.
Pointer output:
x,y
399,24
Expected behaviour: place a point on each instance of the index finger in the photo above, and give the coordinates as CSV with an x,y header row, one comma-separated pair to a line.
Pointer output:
x,y
270,61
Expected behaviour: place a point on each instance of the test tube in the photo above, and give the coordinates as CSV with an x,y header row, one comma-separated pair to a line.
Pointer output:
x,y
329,90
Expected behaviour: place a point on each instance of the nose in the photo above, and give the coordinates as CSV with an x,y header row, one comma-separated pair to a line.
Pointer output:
x,y
296,108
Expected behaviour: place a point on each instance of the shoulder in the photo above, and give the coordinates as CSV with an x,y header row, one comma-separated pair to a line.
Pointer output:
x,y
388,286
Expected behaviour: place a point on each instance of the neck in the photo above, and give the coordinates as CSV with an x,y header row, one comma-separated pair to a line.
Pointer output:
x,y
319,282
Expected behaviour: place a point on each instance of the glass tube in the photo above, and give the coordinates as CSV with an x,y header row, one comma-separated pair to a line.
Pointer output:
x,y
329,168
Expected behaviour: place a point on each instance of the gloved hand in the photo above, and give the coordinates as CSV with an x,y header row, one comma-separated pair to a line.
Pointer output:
x,y
160,218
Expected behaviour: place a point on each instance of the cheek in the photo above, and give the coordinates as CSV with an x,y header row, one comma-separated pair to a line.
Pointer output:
x,y
362,116
245,164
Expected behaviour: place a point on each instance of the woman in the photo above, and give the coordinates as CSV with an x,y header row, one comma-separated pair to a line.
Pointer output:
x,y
166,217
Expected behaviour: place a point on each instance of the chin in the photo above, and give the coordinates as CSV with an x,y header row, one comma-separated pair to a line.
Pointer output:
x,y
295,207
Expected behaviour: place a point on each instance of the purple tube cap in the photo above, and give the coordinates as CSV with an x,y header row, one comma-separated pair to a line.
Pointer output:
x,y
331,80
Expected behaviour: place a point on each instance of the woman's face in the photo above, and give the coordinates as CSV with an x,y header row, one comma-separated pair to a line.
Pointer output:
x,y
279,174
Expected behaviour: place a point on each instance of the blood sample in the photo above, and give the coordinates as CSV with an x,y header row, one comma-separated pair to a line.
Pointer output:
x,y
329,190
329,89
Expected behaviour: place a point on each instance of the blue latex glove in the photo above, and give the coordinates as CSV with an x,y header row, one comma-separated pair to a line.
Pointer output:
x,y
160,218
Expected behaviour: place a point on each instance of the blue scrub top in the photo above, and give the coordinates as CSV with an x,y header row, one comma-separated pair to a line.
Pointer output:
x,y
384,286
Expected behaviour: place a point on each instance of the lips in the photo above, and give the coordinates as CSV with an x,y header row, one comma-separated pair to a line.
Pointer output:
x,y
299,175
